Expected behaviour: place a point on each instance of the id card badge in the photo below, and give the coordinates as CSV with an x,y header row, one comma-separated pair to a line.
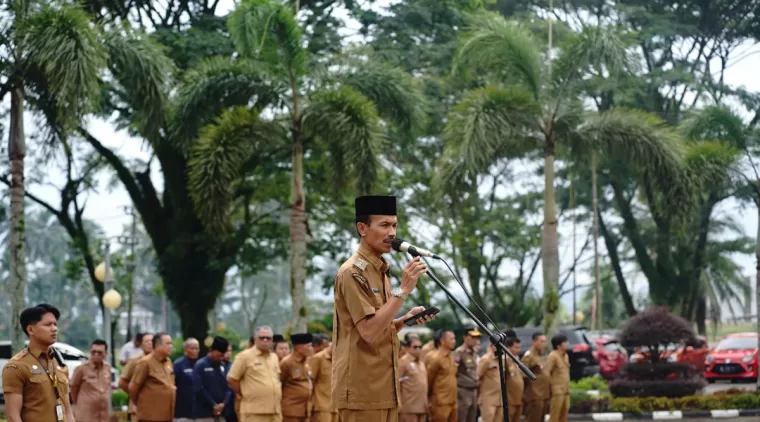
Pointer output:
x,y
59,412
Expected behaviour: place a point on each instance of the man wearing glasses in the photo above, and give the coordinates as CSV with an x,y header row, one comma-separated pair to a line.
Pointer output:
x,y
91,386
255,377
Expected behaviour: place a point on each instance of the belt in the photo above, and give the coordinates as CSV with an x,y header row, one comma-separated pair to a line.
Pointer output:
x,y
467,388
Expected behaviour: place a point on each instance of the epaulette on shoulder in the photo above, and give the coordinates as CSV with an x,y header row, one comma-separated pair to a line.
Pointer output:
x,y
360,264
526,353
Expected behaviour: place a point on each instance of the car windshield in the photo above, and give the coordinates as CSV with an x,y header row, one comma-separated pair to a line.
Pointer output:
x,y
737,343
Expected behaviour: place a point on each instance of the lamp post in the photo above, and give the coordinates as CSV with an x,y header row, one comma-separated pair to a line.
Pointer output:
x,y
111,298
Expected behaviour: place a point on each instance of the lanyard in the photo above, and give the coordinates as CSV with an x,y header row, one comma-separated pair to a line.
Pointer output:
x,y
52,377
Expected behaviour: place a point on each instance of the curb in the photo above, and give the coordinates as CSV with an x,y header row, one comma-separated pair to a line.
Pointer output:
x,y
664,415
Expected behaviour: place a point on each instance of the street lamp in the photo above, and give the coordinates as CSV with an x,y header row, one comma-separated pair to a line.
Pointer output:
x,y
111,298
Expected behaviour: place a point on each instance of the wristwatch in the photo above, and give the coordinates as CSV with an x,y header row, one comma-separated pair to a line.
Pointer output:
x,y
399,293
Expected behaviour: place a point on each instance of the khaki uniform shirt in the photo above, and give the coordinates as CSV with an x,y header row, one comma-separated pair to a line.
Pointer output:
x,y
365,377
467,372
414,385
156,390
295,376
129,371
321,374
442,378
558,369
259,377
24,375
490,383
427,348
93,387
538,389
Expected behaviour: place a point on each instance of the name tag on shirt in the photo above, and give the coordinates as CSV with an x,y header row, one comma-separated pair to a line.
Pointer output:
x,y
36,371
209,369
188,370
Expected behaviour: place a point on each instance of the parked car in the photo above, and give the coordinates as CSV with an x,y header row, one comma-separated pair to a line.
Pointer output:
x,y
581,350
611,356
735,357
72,356
693,354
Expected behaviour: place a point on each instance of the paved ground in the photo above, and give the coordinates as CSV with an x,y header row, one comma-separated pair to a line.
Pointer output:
x,y
722,386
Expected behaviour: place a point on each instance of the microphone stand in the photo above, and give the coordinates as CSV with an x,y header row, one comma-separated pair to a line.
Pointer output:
x,y
501,350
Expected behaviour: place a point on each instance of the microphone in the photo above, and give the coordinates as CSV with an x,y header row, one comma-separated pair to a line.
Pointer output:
x,y
400,245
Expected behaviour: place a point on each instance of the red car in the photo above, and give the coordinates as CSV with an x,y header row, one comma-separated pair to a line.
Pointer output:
x,y
611,356
734,358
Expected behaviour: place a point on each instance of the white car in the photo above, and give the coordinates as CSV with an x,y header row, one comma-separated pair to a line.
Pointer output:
x,y
72,356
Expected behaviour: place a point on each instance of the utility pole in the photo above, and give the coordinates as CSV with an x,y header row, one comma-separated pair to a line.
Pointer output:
x,y
130,241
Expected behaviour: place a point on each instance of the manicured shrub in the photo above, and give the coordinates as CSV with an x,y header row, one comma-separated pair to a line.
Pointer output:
x,y
736,400
655,329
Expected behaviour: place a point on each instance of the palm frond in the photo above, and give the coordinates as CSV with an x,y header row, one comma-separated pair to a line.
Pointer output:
x,y
348,123
488,122
397,96
217,157
64,44
716,122
212,86
710,163
143,70
647,142
501,47
267,30
594,47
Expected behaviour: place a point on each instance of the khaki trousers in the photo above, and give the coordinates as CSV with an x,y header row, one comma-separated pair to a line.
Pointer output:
x,y
412,417
380,415
560,407
318,416
535,410
295,419
443,413
253,417
491,413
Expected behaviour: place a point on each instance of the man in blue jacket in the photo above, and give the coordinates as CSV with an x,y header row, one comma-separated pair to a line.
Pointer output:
x,y
184,405
213,393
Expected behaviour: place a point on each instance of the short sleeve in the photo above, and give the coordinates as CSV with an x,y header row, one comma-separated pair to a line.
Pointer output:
x,y
355,295
316,365
140,373
128,369
13,379
124,353
238,367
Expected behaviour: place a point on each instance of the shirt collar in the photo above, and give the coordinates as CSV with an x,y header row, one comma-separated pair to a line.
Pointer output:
x,y
39,353
377,261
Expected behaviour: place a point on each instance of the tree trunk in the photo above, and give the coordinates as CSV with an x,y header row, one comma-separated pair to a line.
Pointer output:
x,y
550,243
297,235
17,153
597,271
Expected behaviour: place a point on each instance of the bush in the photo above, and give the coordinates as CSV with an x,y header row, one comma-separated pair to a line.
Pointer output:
x,y
713,402
119,398
656,329
583,403
589,383
677,387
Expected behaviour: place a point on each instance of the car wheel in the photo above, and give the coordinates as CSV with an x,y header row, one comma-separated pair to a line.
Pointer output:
x,y
711,381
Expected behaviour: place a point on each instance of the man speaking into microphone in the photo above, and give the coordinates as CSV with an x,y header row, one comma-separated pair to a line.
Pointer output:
x,y
365,385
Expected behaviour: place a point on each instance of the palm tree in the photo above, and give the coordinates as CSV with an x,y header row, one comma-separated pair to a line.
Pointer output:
x,y
54,43
55,60
345,113
525,107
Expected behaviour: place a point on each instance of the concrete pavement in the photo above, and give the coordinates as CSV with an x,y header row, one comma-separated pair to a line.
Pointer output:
x,y
727,385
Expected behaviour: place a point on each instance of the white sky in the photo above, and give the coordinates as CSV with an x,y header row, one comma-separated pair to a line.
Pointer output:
x,y
106,207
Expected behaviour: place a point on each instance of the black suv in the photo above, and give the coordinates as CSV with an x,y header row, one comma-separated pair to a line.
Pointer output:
x,y
582,361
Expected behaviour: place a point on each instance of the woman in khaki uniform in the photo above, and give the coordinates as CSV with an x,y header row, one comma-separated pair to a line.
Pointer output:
x,y
558,368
